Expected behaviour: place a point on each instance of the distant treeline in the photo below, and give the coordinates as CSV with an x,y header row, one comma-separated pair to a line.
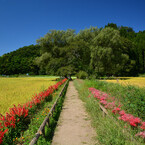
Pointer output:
x,y
20,61
92,52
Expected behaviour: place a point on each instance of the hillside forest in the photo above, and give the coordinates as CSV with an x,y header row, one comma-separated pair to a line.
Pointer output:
x,y
93,52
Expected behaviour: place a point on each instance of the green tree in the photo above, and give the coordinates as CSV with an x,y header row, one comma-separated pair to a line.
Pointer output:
x,y
140,50
112,25
20,61
106,55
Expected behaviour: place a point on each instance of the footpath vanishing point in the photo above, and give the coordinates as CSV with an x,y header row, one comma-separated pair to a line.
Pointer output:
x,y
74,126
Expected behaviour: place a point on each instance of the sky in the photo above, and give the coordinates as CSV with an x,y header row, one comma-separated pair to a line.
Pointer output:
x,y
22,22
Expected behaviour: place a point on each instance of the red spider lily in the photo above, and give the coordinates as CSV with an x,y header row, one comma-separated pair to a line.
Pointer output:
x,y
133,121
2,135
142,125
141,134
110,105
104,98
130,119
19,111
99,95
103,102
8,120
122,112
116,110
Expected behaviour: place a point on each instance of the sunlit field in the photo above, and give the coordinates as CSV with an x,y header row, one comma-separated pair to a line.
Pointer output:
x,y
135,81
20,90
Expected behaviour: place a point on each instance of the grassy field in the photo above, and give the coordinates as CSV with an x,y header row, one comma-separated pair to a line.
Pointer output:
x,y
135,81
20,90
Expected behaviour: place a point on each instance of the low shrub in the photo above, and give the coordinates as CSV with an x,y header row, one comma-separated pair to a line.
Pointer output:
x,y
82,75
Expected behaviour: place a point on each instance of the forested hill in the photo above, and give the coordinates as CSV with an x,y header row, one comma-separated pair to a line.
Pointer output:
x,y
20,61
107,51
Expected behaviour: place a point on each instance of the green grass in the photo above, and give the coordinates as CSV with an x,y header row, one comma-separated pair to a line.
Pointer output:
x,y
109,130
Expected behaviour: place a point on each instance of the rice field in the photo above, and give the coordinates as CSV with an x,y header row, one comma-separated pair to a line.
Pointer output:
x,y
135,81
20,90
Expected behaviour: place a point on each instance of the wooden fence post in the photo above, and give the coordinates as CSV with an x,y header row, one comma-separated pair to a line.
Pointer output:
x,y
41,130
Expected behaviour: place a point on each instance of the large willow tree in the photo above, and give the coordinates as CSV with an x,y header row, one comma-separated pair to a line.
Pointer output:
x,y
94,51
107,55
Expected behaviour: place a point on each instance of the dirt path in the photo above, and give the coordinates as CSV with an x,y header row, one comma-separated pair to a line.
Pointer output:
x,y
74,127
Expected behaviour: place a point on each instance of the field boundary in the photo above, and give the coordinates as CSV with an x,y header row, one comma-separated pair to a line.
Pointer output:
x,y
41,130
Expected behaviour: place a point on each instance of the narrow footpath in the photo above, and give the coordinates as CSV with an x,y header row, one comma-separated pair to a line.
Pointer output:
x,y
74,126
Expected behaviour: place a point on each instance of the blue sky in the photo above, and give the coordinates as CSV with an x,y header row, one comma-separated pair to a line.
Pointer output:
x,y
22,22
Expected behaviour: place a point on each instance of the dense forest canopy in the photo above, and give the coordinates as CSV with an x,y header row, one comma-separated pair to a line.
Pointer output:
x,y
107,51
20,61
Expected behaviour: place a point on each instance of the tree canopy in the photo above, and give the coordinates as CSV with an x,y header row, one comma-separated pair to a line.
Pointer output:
x,y
20,61
112,50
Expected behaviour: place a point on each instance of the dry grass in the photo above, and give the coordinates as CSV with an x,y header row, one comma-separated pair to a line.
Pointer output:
x,y
20,90
135,81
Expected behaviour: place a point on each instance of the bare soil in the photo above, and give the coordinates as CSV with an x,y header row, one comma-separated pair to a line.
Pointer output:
x,y
74,126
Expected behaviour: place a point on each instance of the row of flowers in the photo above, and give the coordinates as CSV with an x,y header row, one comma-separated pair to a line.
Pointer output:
x,y
111,103
19,116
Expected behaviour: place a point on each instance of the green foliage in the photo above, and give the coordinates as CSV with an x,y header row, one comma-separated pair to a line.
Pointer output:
x,y
92,77
106,56
67,70
112,50
20,61
112,25
82,75
140,50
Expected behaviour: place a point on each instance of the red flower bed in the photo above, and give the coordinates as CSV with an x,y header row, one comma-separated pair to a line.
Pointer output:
x,y
2,135
20,113
115,106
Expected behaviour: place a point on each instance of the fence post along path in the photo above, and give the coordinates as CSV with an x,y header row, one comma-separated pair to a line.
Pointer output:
x,y
74,125
41,130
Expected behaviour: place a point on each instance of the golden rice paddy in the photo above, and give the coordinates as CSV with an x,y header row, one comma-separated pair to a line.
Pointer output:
x,y
135,81
20,90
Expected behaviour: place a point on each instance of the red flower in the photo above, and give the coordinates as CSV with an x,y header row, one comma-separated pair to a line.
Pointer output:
x,y
116,110
141,134
142,125
121,112
103,102
2,135
132,123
